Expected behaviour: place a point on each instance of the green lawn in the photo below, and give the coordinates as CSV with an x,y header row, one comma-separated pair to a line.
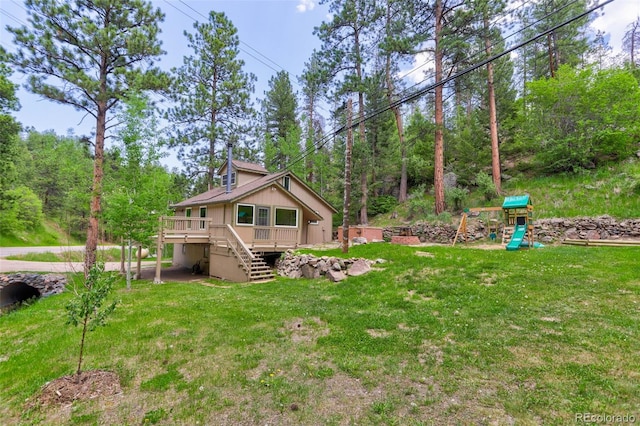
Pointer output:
x,y
439,335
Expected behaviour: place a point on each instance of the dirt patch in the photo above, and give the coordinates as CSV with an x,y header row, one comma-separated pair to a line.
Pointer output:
x,y
377,332
424,254
89,385
308,330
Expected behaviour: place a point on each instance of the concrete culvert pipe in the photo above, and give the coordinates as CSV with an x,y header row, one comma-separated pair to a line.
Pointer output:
x,y
17,292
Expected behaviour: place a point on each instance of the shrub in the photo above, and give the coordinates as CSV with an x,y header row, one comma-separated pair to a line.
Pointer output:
x,y
20,210
485,185
456,197
382,204
418,204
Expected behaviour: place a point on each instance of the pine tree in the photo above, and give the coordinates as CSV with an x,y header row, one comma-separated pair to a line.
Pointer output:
x,y
282,129
88,55
212,97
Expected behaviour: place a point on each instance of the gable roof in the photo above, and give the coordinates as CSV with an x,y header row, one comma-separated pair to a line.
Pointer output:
x,y
246,167
220,196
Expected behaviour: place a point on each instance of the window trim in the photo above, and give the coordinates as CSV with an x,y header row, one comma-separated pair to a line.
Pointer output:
x,y
257,215
202,222
223,179
286,182
275,217
253,216
187,215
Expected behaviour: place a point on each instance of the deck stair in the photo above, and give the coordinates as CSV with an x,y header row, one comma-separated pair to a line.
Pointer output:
x,y
260,270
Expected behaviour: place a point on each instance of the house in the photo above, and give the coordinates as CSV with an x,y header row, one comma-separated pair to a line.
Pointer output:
x,y
233,231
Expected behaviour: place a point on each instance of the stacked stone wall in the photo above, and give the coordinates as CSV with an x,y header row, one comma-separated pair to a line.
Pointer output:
x,y
545,230
45,284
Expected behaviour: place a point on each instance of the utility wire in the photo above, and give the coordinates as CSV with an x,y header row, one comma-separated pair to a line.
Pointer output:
x,y
444,81
480,64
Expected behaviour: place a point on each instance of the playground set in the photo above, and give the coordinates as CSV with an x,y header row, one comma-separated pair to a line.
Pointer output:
x,y
517,231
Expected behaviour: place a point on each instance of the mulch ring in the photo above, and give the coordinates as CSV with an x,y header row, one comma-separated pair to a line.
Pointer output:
x,y
89,385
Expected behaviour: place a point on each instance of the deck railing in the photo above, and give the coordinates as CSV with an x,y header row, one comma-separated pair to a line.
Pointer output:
x,y
226,236
275,236
185,225
263,236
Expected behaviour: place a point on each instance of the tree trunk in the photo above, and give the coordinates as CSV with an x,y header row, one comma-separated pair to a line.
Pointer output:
x,y
212,151
493,120
347,182
310,145
402,196
122,255
85,324
438,178
96,191
552,71
364,217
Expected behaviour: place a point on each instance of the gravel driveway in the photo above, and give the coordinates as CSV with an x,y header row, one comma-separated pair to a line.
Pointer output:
x,y
7,265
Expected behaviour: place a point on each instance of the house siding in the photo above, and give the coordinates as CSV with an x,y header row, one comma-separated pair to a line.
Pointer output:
x,y
271,197
314,234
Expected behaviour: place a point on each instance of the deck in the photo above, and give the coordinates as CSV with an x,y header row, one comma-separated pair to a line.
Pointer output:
x,y
203,230
244,243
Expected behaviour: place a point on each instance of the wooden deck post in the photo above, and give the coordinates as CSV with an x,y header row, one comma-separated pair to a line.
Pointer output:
x,y
160,240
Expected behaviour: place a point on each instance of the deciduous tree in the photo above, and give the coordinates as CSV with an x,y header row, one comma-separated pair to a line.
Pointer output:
x,y
139,190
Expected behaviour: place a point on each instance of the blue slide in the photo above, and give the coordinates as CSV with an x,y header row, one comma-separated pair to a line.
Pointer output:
x,y
516,238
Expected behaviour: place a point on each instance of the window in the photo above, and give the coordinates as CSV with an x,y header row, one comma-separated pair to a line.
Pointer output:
x,y
245,214
314,222
233,179
286,182
187,214
263,216
203,214
286,217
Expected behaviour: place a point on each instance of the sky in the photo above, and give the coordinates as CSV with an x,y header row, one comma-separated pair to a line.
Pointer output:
x,y
274,35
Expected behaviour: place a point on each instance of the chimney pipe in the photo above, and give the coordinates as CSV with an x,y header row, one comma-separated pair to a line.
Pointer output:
x,y
229,163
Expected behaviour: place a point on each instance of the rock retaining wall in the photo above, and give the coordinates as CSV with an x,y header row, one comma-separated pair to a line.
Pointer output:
x,y
336,269
546,230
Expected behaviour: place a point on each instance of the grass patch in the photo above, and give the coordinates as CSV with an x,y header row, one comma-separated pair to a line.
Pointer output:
x,y
48,235
104,255
424,340
612,190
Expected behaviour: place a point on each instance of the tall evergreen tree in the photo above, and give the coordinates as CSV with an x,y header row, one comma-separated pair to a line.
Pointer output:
x,y
631,42
212,97
565,45
345,45
397,45
314,86
9,146
88,55
282,128
9,127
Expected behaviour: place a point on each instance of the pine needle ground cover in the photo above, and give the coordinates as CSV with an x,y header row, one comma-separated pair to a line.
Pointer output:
x,y
437,335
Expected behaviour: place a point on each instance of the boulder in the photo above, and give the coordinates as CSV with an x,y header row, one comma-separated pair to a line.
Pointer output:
x,y
359,267
336,276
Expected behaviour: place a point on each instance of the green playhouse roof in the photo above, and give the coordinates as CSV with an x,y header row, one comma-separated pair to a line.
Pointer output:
x,y
516,202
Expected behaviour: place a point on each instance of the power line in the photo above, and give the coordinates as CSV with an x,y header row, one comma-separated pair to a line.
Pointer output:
x,y
482,63
446,80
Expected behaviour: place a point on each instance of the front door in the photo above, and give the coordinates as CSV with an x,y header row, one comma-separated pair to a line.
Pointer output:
x,y
262,220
